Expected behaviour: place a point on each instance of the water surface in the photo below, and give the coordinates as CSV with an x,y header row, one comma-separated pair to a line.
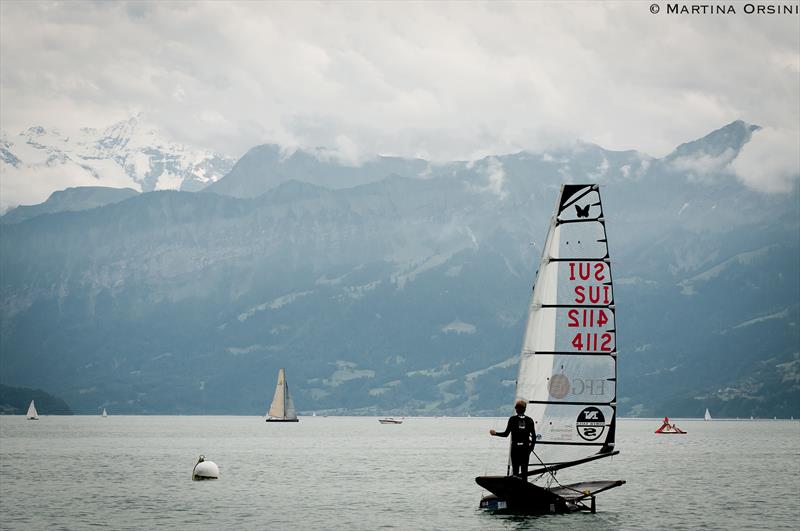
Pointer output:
x,y
129,472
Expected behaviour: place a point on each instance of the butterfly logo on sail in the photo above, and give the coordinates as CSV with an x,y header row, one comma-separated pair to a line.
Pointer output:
x,y
582,212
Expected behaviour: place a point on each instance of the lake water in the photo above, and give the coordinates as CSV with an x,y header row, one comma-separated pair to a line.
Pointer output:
x,y
128,472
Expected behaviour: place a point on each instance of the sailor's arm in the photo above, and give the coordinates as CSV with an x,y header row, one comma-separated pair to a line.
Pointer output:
x,y
503,433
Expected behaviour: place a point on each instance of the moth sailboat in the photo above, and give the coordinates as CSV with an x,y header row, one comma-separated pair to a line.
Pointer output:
x,y
32,414
568,364
282,407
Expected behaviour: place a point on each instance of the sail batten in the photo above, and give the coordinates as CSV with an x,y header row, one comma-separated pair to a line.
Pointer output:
x,y
612,402
568,371
571,443
567,353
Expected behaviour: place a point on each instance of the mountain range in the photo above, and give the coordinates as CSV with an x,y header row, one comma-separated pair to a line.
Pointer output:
x,y
131,153
401,286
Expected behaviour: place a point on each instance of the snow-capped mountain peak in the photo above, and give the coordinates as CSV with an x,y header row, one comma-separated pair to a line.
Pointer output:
x,y
131,153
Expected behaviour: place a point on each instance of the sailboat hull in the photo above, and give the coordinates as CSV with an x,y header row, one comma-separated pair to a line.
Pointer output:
x,y
515,495
669,431
283,420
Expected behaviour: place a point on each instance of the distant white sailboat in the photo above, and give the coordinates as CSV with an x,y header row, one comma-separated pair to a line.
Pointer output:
x,y
282,407
32,413
104,414
707,416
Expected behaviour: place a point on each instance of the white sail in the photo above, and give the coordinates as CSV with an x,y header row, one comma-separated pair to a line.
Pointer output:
x,y
32,413
568,364
290,411
104,414
278,407
707,416
282,406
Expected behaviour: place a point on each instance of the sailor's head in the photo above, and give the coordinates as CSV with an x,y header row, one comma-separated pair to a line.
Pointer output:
x,y
520,406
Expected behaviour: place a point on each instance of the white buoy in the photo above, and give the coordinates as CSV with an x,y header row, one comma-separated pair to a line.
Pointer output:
x,y
205,469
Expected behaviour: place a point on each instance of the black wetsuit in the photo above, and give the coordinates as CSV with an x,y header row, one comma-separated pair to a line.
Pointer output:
x,y
523,438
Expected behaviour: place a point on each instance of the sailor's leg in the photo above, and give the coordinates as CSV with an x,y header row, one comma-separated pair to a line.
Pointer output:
x,y
514,463
519,462
524,458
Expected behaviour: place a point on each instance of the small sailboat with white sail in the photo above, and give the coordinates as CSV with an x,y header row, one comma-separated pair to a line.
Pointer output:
x,y
104,414
568,364
32,414
707,416
282,407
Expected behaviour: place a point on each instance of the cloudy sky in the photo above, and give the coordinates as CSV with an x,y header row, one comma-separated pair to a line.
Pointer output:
x,y
438,80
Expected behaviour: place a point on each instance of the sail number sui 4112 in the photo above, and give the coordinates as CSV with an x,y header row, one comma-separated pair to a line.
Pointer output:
x,y
584,274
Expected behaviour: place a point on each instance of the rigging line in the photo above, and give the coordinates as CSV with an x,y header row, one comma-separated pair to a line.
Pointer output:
x,y
553,474
488,450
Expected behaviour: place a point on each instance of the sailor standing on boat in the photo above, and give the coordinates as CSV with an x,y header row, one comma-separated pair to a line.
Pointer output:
x,y
523,438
